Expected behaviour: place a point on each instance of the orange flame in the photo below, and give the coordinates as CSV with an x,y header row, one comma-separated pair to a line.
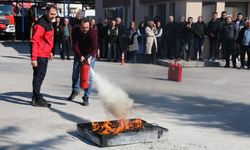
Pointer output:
x,y
120,126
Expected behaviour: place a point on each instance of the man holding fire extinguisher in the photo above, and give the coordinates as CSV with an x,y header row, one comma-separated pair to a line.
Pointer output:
x,y
41,52
85,45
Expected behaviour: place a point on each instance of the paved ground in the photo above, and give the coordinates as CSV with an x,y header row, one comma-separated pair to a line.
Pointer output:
x,y
209,110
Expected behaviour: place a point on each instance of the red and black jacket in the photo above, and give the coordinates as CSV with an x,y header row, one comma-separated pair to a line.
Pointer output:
x,y
42,38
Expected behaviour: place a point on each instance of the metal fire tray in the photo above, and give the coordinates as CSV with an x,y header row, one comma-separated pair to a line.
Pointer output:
x,y
150,133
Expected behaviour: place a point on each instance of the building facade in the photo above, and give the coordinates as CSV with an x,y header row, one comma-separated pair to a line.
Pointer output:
x,y
138,9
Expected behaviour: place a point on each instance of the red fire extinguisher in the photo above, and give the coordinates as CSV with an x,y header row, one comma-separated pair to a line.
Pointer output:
x,y
84,76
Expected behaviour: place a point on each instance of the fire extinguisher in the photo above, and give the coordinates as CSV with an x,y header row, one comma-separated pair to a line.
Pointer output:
x,y
84,76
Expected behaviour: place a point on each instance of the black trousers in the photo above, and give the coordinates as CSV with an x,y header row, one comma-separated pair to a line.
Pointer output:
x,y
213,48
244,50
229,51
39,73
66,47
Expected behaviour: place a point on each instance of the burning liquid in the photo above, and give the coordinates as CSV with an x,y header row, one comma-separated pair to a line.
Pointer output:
x,y
114,128
114,99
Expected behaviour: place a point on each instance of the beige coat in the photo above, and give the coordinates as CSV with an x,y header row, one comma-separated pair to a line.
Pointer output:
x,y
150,40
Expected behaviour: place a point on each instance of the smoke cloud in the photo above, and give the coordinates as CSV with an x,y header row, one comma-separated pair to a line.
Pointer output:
x,y
113,98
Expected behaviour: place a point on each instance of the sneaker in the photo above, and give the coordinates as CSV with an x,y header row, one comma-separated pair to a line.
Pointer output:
x,y
73,95
85,99
40,103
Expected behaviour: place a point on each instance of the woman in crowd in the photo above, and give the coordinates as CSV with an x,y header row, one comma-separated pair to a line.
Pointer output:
x,y
151,42
133,42
158,36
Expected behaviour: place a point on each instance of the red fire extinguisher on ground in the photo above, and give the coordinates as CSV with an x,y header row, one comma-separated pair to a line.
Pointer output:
x,y
84,76
175,71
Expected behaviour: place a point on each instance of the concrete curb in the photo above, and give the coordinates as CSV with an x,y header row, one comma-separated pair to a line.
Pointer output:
x,y
192,64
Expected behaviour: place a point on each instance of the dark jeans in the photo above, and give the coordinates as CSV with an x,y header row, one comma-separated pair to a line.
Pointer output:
x,y
57,43
76,76
66,47
213,48
171,48
131,56
39,74
190,45
229,51
160,53
198,43
112,51
244,50
181,48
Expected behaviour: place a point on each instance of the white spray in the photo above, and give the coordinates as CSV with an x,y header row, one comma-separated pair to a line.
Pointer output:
x,y
114,99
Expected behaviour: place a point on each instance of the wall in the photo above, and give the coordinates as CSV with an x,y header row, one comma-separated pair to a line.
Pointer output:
x,y
99,9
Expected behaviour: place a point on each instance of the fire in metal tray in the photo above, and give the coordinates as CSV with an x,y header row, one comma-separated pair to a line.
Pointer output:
x,y
116,127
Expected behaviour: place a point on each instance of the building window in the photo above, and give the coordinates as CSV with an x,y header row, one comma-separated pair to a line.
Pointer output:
x,y
172,9
161,13
234,8
207,9
151,12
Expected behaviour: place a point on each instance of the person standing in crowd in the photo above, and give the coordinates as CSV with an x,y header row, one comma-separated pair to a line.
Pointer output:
x,y
106,26
181,40
199,30
93,24
85,43
141,38
133,42
121,39
213,33
57,36
240,24
221,48
170,34
159,32
151,42
66,31
42,44
228,33
113,33
243,42
189,34
101,34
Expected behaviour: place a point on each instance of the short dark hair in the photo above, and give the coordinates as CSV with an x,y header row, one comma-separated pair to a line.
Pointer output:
x,y
57,16
239,14
223,12
190,18
50,6
85,20
215,13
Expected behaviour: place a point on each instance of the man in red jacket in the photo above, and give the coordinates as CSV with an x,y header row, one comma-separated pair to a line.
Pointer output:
x,y
41,52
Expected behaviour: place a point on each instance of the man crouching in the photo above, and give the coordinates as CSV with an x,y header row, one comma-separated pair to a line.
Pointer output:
x,y
85,45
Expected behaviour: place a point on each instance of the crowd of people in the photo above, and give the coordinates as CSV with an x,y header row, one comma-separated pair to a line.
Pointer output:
x,y
182,39
178,39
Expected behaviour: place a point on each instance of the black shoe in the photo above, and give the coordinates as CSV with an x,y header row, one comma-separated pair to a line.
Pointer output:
x,y
234,66
241,67
226,66
68,58
40,103
85,99
72,95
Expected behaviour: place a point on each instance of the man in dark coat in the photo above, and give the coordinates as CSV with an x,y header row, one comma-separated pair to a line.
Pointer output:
x,y
170,34
228,39
243,42
213,33
199,30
